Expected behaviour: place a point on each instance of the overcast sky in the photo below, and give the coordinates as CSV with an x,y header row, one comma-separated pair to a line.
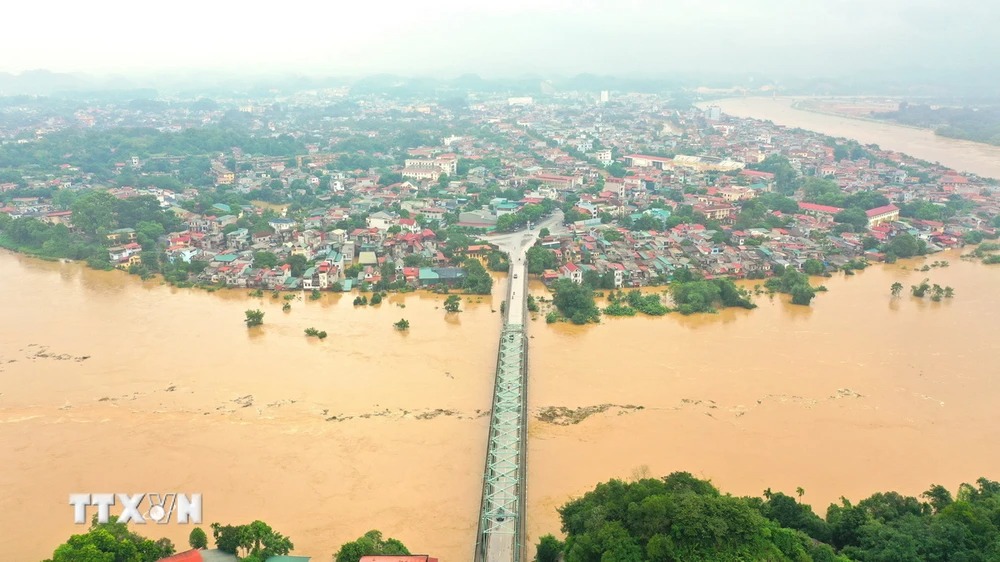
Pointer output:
x,y
498,38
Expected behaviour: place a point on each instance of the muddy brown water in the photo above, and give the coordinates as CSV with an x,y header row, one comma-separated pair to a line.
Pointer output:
x,y
375,429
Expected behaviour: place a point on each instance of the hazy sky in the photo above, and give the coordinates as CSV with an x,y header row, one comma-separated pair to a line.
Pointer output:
x,y
493,38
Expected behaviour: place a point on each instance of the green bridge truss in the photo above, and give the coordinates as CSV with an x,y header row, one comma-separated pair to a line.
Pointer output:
x,y
501,524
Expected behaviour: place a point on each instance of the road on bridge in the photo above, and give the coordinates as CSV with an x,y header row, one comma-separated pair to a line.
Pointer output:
x,y
501,523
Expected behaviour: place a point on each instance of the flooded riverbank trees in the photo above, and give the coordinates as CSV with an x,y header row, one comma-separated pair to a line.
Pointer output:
x,y
253,318
575,302
680,517
792,283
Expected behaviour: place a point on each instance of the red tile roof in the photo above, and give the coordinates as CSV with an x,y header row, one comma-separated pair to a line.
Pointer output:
x,y
880,210
819,208
186,556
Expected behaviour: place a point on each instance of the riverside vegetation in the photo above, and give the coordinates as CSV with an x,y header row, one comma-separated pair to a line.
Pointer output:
x,y
682,518
253,542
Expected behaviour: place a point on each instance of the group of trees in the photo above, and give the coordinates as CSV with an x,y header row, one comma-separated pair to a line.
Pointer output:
x,y
681,517
254,542
113,542
627,304
98,150
575,301
786,179
529,213
539,259
905,246
476,279
920,290
95,214
692,294
370,544
793,283
314,333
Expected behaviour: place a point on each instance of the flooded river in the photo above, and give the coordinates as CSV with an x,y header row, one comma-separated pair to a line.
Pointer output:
x,y
109,384
856,394
964,156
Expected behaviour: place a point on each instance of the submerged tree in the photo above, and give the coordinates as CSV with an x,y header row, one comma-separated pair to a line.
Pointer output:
x,y
896,289
452,303
254,318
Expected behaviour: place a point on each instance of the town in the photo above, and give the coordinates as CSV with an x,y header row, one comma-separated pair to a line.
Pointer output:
x,y
326,191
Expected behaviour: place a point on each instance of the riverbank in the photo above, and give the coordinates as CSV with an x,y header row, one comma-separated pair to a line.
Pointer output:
x,y
803,105
964,156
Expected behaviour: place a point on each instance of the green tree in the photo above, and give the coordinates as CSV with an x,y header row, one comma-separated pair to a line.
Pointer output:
x,y
896,289
254,318
813,267
476,279
298,264
370,544
906,246
95,211
575,302
265,260
920,290
539,259
198,538
452,303
403,324
802,294
854,217
255,541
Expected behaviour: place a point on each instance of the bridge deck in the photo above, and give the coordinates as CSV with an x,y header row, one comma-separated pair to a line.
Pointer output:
x,y
501,524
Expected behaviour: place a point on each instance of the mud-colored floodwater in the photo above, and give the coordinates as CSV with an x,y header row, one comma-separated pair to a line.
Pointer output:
x,y
856,394
964,156
109,384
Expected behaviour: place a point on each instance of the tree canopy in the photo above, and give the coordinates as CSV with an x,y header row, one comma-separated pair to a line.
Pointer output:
x,y
682,518
111,542
255,542
575,301
369,544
